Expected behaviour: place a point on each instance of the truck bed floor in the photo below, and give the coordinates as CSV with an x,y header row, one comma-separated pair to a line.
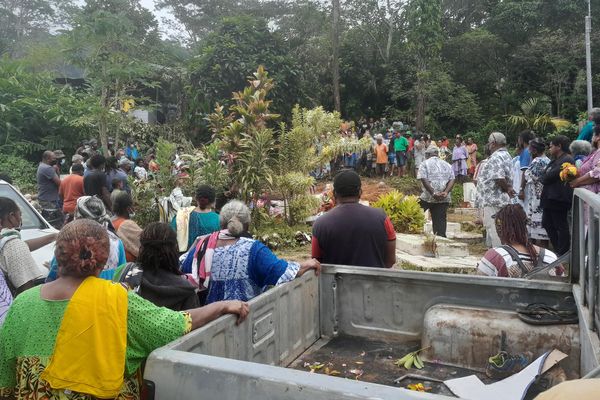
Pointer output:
x,y
349,356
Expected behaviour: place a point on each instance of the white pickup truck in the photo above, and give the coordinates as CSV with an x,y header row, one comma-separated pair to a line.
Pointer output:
x,y
359,321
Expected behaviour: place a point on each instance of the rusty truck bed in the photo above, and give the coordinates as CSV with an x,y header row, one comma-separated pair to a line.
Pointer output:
x,y
373,361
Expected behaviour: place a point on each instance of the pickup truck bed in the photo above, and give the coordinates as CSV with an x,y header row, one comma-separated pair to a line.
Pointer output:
x,y
462,320
373,361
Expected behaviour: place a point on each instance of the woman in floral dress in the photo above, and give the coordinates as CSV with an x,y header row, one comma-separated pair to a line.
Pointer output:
x,y
533,191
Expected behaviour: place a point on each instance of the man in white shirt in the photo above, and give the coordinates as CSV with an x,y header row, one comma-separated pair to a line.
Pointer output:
x,y
437,179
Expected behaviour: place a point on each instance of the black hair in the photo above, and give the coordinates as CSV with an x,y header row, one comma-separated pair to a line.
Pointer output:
x,y
115,182
561,141
7,206
138,161
527,136
205,196
111,164
121,204
77,168
511,223
159,248
97,161
538,145
347,184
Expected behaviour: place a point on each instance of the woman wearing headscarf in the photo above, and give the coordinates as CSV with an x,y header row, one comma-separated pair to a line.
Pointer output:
x,y
156,275
83,337
532,190
235,267
92,208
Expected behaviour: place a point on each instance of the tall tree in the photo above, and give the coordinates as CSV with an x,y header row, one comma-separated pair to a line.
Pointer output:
x,y
425,42
112,41
335,62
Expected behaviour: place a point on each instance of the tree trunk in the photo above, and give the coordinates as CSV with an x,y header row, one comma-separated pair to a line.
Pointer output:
x,y
388,48
420,112
103,121
335,65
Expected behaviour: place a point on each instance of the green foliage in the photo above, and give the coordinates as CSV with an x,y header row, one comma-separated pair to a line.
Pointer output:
x,y
457,195
145,196
211,171
35,113
21,171
407,185
238,46
278,235
404,211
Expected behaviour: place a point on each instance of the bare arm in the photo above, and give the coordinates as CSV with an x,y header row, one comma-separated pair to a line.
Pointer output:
x,y
40,242
586,179
390,253
106,198
56,180
427,186
505,186
203,315
307,265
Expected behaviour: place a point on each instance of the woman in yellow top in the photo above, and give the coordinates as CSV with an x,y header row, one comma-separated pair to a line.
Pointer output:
x,y
81,337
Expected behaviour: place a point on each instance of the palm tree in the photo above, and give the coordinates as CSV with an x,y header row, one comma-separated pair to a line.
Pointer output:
x,y
534,115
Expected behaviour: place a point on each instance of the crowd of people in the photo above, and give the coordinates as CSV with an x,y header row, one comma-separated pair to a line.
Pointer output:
x,y
177,274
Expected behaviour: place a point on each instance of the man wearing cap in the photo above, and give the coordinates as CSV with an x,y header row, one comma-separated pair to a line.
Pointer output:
x,y
494,185
437,178
353,234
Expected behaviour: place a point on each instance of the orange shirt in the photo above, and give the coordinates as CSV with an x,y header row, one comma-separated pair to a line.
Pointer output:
x,y
71,188
381,152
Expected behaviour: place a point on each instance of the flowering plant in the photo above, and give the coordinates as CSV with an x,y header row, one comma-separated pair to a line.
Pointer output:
x,y
568,172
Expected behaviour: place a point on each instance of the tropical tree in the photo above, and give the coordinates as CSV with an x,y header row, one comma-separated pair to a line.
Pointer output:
x,y
534,114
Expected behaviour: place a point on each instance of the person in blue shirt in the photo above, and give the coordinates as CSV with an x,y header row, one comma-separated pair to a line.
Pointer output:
x,y
132,151
587,132
523,144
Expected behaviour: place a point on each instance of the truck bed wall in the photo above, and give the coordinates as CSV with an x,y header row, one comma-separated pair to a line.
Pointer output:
x,y
288,319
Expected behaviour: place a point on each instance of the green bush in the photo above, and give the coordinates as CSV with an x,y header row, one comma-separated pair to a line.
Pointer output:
x,y
404,211
21,171
278,235
457,195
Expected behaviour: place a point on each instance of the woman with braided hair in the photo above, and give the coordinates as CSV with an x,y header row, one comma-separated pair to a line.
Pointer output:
x,y
517,255
81,337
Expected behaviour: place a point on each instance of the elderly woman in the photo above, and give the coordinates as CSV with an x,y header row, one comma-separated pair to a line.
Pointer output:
x,y
83,337
235,267
517,256
91,207
201,221
580,150
588,174
156,275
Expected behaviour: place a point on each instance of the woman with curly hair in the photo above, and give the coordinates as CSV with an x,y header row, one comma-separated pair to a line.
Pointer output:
x,y
83,337
517,255
156,275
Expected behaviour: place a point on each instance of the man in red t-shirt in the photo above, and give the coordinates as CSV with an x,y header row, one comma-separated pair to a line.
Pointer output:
x,y
71,188
353,234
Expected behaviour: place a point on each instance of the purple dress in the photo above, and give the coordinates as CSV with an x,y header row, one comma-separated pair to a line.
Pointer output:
x,y
5,298
459,160
591,166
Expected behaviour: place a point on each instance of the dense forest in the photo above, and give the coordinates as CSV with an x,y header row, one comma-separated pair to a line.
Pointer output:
x,y
68,69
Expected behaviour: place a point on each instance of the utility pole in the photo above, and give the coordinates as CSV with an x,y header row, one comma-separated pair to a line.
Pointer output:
x,y
588,56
